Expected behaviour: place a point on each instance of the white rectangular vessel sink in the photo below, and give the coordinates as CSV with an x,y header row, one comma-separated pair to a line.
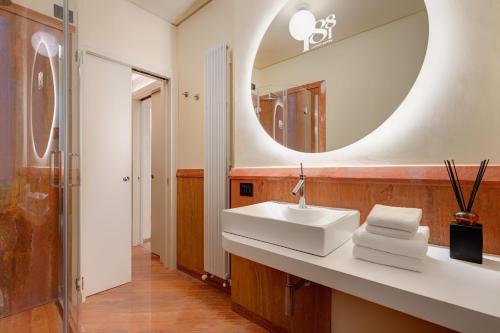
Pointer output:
x,y
315,230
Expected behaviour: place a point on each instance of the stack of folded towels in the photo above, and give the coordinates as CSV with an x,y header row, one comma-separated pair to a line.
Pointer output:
x,y
392,236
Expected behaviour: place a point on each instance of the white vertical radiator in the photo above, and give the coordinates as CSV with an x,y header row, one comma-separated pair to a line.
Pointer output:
x,y
216,157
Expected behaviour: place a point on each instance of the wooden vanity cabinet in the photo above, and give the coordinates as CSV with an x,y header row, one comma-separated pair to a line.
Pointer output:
x,y
258,293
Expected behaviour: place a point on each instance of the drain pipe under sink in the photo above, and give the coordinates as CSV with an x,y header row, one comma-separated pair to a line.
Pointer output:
x,y
290,290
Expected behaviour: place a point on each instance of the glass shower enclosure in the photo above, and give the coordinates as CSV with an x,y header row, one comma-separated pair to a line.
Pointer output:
x,y
288,114
38,166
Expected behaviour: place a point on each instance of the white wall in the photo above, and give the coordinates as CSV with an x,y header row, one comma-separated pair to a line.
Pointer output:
x,y
367,76
122,31
452,111
208,27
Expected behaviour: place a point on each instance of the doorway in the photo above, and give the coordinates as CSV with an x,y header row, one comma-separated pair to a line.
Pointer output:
x,y
149,164
125,198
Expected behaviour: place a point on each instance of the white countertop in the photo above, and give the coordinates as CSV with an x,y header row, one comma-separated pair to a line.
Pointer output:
x,y
456,294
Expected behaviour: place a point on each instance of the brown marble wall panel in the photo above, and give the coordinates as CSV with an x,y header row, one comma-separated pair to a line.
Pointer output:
x,y
30,247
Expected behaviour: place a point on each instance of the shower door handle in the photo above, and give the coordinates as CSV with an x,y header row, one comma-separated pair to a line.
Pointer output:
x,y
55,176
74,172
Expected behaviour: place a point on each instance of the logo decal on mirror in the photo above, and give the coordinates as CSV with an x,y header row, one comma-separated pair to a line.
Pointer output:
x,y
313,33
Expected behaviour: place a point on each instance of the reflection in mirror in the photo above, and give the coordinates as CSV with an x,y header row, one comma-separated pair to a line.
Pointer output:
x,y
43,91
327,73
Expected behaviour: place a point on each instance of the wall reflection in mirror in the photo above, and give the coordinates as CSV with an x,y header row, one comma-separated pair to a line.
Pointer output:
x,y
327,73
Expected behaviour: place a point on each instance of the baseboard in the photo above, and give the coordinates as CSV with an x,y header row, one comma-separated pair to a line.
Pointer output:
x,y
257,319
215,281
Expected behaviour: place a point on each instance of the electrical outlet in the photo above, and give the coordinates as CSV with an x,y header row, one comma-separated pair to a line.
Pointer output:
x,y
246,189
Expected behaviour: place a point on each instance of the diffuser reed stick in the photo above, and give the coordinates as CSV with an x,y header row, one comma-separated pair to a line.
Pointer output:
x,y
458,182
457,187
477,183
454,184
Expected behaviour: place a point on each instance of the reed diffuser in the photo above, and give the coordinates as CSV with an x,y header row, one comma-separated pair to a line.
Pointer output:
x,y
466,234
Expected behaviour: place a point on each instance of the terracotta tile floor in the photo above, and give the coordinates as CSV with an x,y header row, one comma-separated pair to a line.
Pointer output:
x,y
158,300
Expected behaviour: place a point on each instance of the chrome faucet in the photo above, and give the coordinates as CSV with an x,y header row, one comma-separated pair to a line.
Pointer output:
x,y
300,188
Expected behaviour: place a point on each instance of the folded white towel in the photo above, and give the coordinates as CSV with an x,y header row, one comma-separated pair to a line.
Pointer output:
x,y
395,233
399,218
388,259
415,247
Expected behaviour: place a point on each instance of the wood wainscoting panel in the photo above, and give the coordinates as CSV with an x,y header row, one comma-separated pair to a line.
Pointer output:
x,y
258,293
371,317
190,239
359,188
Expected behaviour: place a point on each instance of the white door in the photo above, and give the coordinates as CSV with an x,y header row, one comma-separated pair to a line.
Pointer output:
x,y
145,162
106,171
136,173
158,170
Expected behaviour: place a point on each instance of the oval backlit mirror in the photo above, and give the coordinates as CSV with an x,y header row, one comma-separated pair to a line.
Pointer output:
x,y
327,73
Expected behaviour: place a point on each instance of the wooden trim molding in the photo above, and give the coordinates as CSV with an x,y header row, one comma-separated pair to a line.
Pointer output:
x,y
196,6
426,175
190,173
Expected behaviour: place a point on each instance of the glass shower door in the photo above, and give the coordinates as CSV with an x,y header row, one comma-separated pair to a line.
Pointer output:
x,y
33,138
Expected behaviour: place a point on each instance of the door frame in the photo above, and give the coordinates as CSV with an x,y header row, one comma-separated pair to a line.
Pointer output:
x,y
169,100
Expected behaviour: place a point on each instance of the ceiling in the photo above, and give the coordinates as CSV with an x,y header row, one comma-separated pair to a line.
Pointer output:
x,y
353,17
173,11
140,81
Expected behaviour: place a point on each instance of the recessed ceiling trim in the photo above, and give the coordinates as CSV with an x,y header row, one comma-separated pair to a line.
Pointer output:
x,y
193,9
172,11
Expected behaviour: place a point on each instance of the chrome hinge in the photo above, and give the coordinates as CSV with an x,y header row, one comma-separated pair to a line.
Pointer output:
x,y
79,57
79,283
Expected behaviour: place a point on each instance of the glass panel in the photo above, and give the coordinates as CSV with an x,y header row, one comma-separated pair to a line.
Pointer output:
x,y
74,281
32,121
33,152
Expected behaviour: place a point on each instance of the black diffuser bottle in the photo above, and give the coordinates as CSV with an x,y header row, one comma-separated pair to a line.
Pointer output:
x,y
466,234
466,238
